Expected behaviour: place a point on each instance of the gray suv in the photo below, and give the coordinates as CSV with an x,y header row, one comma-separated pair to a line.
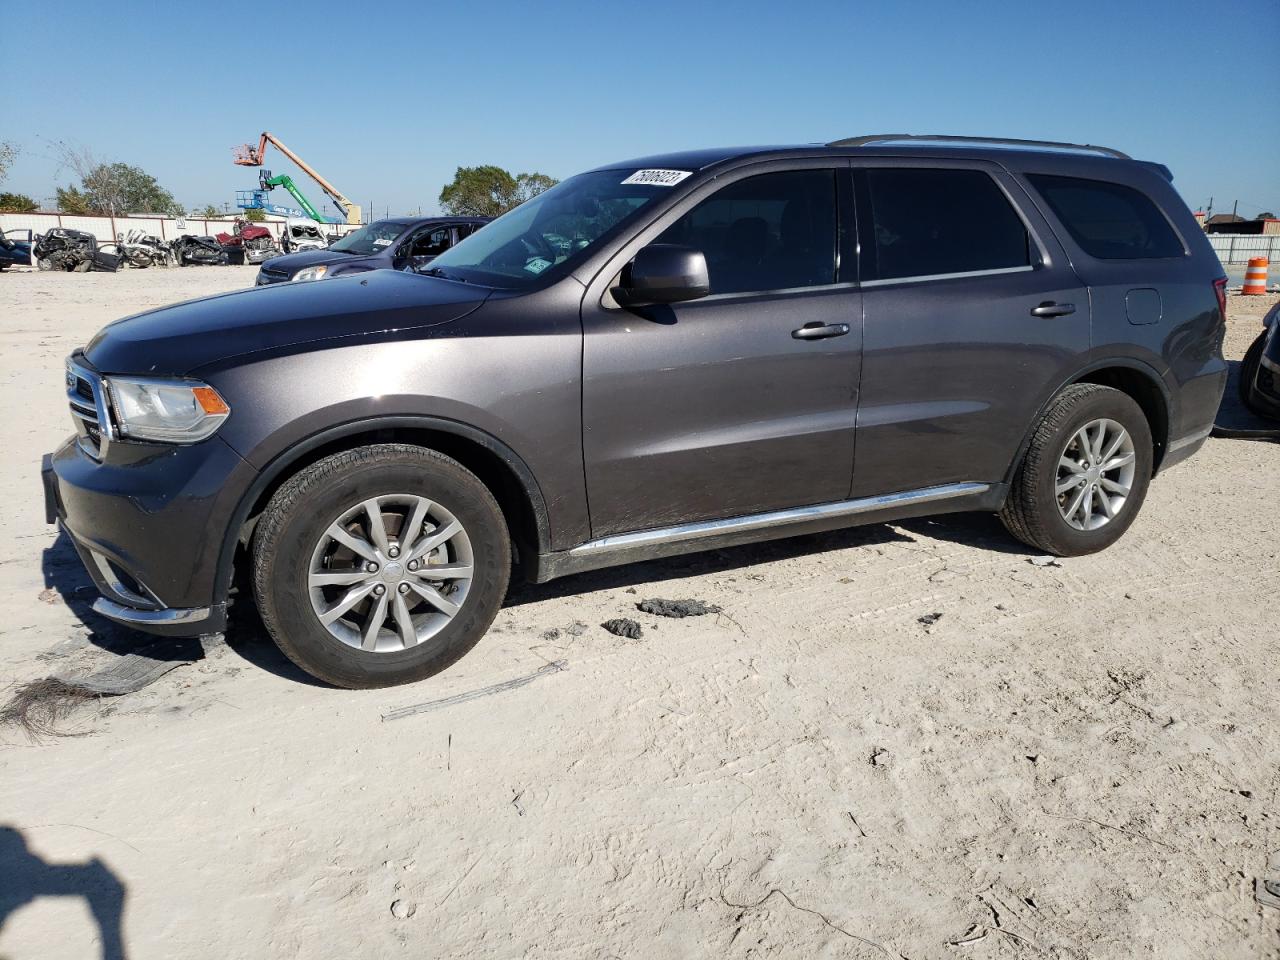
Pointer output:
x,y
676,353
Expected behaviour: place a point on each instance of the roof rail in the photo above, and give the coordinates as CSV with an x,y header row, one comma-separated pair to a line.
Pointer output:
x,y
945,138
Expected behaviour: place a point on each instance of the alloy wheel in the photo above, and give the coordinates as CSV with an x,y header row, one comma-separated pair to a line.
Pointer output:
x,y
390,572
1095,474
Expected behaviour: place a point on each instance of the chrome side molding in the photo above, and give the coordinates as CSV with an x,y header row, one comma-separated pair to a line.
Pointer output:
x,y
778,518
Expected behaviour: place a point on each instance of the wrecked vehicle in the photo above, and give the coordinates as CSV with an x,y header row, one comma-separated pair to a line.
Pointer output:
x,y
1260,369
189,249
72,251
255,242
14,252
138,249
299,235
652,358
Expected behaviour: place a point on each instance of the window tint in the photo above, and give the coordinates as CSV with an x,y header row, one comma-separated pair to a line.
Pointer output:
x,y
770,232
930,222
1109,221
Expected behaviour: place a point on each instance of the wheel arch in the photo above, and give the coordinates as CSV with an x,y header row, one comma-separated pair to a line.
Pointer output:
x,y
1134,378
497,466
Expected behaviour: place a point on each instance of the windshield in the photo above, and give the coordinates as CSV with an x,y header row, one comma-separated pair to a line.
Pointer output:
x,y
554,229
371,238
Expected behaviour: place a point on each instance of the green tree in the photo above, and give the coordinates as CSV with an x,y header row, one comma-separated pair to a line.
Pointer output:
x,y
529,185
71,200
112,189
489,191
207,212
17,203
255,215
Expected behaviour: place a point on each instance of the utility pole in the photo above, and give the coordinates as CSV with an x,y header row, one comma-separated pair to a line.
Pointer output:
x,y
1233,209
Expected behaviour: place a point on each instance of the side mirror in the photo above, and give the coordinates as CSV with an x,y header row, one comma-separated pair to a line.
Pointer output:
x,y
666,273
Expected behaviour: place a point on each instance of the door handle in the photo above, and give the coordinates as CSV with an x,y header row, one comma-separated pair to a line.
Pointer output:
x,y
820,331
1051,309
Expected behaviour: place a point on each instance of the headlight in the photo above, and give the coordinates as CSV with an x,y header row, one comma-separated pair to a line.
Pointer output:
x,y
310,273
171,411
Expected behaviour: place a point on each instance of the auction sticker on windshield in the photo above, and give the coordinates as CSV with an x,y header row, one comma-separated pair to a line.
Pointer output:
x,y
658,178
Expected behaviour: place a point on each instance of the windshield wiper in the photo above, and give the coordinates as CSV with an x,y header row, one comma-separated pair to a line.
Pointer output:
x,y
437,272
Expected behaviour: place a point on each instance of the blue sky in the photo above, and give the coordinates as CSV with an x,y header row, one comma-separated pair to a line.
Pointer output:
x,y
399,94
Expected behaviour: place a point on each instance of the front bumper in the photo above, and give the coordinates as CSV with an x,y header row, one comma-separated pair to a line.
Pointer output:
x,y
149,525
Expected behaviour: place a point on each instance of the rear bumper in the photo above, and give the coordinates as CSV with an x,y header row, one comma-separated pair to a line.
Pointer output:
x,y
149,528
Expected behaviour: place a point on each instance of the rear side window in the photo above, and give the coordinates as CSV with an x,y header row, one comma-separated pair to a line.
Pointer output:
x,y
1108,220
935,222
772,232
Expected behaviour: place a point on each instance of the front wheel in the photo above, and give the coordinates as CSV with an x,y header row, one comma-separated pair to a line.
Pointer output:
x,y
1249,373
380,565
1085,473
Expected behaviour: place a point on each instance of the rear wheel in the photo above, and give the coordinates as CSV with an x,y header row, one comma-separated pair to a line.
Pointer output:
x,y
380,565
1085,474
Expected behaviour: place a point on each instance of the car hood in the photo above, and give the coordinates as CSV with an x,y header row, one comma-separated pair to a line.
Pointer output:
x,y
175,340
291,263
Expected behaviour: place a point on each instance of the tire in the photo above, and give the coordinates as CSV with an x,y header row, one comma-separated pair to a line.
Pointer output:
x,y
1033,512
1249,374
292,546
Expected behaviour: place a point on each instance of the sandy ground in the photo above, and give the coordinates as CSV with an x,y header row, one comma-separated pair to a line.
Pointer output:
x,y
1074,761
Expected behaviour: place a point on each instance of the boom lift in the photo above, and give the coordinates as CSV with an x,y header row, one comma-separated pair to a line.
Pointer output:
x,y
248,156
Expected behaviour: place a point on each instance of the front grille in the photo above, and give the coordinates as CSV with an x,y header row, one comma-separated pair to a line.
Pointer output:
x,y
87,397
266,276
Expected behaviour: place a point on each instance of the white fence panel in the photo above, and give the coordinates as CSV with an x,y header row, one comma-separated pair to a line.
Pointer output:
x,y
1239,247
105,229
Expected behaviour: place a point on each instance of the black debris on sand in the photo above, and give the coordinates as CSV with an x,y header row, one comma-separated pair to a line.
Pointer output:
x,y
623,627
929,619
677,608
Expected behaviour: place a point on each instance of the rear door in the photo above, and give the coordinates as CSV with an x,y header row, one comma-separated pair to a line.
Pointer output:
x,y
722,407
973,317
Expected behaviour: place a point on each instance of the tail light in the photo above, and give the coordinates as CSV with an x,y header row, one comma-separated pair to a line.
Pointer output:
x,y
1220,291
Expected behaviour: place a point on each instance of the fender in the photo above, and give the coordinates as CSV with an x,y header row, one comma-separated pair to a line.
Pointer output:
x,y
289,456
1139,366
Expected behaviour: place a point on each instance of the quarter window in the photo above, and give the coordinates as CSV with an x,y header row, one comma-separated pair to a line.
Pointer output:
x,y
776,231
934,222
1108,220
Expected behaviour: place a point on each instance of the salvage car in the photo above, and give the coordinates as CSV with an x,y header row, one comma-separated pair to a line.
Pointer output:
x,y
399,243
665,355
1260,369
15,252
189,249
249,243
72,251
299,235
140,250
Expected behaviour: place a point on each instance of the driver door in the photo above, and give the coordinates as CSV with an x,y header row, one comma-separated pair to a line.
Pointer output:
x,y
721,407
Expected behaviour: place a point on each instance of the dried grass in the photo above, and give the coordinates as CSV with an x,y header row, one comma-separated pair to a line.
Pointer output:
x,y
41,706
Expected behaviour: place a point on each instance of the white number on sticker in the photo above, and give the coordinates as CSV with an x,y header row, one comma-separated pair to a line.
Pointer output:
x,y
658,178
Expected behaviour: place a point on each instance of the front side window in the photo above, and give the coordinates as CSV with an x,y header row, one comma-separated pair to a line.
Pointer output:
x,y
776,231
556,230
430,243
1108,220
371,238
928,223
